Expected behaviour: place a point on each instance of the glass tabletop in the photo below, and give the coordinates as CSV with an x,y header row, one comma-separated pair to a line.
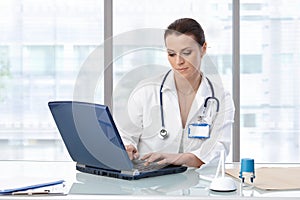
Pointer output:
x,y
184,185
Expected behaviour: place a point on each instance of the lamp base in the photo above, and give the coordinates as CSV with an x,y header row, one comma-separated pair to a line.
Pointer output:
x,y
223,184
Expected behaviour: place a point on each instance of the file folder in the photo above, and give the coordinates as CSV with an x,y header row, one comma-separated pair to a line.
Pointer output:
x,y
30,187
273,178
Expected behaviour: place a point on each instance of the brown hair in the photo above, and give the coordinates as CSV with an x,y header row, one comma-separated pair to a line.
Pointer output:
x,y
186,26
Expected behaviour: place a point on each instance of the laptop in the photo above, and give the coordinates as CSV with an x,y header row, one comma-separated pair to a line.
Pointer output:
x,y
93,142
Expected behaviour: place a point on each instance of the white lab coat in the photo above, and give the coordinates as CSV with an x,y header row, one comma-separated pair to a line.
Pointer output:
x,y
144,123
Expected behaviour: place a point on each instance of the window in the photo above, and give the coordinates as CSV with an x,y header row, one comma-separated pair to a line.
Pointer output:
x,y
4,70
44,45
270,96
249,120
251,64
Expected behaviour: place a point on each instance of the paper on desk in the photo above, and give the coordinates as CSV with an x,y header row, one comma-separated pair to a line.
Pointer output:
x,y
273,178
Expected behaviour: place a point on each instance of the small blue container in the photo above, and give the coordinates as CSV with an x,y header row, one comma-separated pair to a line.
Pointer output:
x,y
247,165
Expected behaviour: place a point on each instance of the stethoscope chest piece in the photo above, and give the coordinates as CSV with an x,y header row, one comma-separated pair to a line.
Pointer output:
x,y
163,134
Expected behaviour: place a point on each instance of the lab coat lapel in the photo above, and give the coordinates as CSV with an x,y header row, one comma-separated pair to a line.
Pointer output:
x,y
198,103
170,83
170,94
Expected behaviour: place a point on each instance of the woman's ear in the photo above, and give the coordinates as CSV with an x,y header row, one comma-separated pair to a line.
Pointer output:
x,y
203,49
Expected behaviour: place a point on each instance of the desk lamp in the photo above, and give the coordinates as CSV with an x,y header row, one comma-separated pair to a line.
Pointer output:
x,y
222,184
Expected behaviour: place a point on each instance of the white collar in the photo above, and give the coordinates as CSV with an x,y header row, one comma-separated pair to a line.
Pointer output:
x,y
204,89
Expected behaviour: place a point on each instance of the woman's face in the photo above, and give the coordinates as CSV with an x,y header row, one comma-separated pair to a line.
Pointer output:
x,y
184,54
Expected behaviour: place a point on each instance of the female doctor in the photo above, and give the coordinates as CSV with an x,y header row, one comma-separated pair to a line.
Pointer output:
x,y
180,117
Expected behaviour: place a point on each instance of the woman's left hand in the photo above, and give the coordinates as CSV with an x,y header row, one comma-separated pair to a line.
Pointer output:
x,y
162,158
187,159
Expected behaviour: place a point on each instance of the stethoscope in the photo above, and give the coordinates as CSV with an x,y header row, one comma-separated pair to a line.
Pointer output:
x,y
163,134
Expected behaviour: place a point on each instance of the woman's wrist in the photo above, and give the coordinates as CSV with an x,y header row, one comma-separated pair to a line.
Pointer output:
x,y
191,160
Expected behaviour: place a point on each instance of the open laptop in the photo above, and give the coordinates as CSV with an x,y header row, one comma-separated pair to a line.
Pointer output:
x,y
93,142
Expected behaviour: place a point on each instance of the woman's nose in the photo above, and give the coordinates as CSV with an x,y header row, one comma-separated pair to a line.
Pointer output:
x,y
179,59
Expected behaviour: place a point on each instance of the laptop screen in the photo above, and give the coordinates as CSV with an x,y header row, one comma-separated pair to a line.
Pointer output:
x,y
90,134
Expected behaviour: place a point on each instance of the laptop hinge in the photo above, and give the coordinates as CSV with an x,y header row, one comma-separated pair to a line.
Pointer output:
x,y
132,172
80,165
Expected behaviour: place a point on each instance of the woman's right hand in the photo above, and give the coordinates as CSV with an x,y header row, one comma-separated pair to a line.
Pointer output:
x,y
132,152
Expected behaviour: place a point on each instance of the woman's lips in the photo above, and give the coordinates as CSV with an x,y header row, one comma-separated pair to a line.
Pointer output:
x,y
182,69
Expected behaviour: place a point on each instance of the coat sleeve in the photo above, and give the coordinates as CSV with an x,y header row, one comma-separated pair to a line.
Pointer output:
x,y
132,127
220,135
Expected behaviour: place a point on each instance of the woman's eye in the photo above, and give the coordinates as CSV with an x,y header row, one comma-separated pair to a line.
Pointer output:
x,y
172,54
186,53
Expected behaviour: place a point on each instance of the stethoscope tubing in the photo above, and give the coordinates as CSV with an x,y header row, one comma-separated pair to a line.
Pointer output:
x,y
161,101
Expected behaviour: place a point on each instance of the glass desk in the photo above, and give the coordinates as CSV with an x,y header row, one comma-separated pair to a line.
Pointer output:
x,y
79,185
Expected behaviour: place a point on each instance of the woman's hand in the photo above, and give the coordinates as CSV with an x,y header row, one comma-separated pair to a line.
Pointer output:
x,y
132,152
187,159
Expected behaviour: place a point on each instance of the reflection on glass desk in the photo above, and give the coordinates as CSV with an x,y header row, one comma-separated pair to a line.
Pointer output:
x,y
176,184
80,185
186,184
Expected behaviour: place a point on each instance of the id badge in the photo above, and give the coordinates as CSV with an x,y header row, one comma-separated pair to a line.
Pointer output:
x,y
198,130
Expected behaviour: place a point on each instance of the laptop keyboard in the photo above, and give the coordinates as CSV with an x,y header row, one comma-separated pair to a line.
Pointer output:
x,y
139,165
